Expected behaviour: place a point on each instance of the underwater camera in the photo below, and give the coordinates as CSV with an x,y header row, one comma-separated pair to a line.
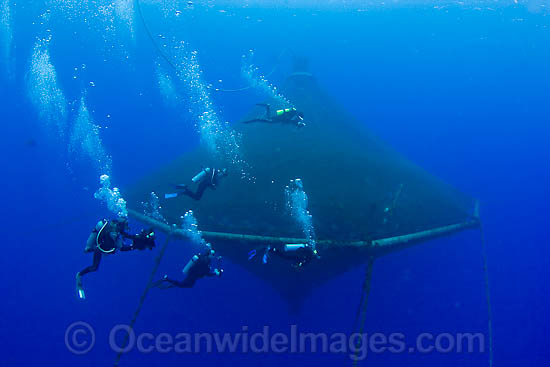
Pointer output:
x,y
146,239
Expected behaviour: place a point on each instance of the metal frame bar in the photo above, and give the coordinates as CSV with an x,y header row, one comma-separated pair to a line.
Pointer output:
x,y
384,243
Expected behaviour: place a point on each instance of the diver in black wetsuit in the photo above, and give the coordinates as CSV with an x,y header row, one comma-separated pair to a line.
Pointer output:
x,y
106,238
199,266
299,254
284,116
207,178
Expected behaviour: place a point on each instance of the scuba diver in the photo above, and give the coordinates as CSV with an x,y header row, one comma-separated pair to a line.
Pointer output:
x,y
107,237
284,116
300,253
208,177
199,266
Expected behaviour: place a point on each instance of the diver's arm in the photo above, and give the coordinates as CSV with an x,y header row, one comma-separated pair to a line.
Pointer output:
x,y
93,267
119,241
125,247
128,235
215,272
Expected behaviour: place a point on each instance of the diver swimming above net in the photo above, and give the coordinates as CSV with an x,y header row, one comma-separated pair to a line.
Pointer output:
x,y
200,266
107,237
283,116
206,178
299,254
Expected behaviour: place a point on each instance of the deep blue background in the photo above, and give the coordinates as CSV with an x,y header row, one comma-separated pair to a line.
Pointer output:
x,y
462,92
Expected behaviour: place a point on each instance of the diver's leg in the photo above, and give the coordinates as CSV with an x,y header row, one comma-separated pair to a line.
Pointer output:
x,y
157,284
94,266
88,269
200,190
187,283
172,195
198,194
191,194
257,120
175,283
165,283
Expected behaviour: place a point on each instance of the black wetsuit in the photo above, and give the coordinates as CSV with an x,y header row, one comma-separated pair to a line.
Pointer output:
x,y
200,267
110,244
106,241
94,266
301,256
289,116
210,181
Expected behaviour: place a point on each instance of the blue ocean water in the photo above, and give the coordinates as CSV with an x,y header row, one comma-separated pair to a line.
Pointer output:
x,y
461,89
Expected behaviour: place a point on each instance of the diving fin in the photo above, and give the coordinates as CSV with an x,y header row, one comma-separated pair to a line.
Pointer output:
x,y
171,196
79,289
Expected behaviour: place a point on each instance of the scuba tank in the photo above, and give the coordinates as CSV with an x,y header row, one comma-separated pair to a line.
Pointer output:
x,y
283,111
291,247
199,176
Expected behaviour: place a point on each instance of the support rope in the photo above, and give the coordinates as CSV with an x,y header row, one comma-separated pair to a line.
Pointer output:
x,y
169,62
150,35
487,293
361,314
142,298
